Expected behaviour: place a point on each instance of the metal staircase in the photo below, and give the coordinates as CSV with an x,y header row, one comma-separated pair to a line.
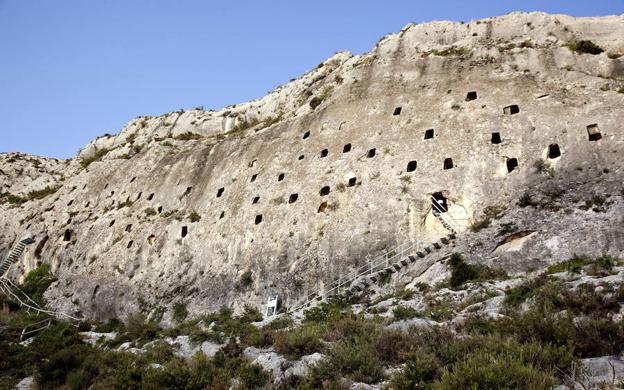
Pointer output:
x,y
391,262
15,253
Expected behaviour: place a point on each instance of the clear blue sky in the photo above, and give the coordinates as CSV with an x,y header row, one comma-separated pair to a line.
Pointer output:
x,y
74,69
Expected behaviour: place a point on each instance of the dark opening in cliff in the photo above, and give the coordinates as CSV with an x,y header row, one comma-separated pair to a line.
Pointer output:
x,y
184,232
255,200
496,138
258,218
160,209
429,134
70,202
324,191
293,198
111,223
301,157
439,202
129,227
352,181
139,196
151,196
67,236
397,111
371,153
346,148
306,134
448,163
411,166
511,110
281,177
593,132
324,153
133,179
322,207
222,215
512,163
553,151
472,95
253,177
130,244
220,192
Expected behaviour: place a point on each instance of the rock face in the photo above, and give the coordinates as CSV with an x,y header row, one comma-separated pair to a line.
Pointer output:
x,y
283,194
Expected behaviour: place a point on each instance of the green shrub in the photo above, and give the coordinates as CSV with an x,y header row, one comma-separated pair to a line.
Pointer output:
x,y
405,294
404,313
150,212
354,361
188,136
298,342
194,217
252,376
97,156
37,282
500,371
139,328
324,312
246,279
574,265
461,272
40,194
179,312
585,47
112,325
420,371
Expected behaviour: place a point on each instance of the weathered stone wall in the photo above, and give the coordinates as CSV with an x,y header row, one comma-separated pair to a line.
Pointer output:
x,y
120,235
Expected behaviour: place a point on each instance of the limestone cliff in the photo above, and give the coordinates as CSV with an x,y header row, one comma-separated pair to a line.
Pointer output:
x,y
286,193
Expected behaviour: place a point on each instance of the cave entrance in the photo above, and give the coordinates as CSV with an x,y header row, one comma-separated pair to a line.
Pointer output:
x,y
448,163
511,110
553,151
439,202
496,138
512,164
429,134
397,111
594,132
472,95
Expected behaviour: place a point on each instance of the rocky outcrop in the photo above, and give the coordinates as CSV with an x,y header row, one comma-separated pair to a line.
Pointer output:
x,y
286,193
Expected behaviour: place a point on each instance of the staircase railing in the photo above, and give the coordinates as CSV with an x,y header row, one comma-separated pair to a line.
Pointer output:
x,y
372,266
14,254
380,263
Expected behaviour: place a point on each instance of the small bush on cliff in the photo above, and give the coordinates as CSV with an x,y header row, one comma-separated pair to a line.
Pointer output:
x,y
97,156
37,282
188,136
585,47
404,313
194,217
179,312
40,194
298,342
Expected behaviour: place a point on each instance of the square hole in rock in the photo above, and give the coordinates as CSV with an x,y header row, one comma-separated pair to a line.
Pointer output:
x,y
258,218
371,153
184,231
511,110
553,151
253,178
293,198
346,148
397,111
255,200
281,176
222,215
448,163
472,95
306,135
325,191
411,166
220,192
593,132
429,134
324,153
352,181
512,163
496,138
